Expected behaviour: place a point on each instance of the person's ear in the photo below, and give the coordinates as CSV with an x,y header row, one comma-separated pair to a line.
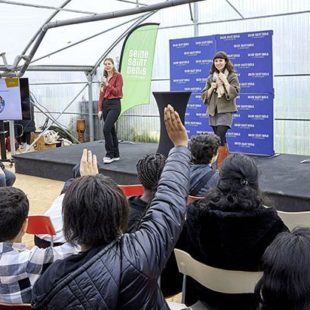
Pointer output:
x,y
25,226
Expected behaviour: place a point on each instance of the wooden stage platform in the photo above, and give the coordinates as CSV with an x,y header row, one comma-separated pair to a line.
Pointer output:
x,y
283,179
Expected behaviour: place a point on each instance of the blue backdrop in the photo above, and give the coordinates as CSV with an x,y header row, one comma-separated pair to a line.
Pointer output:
x,y
251,54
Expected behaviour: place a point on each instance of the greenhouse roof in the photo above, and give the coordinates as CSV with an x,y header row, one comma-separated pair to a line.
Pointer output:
x,y
31,29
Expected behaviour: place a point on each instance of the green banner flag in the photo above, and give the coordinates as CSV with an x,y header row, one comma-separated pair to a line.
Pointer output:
x,y
136,65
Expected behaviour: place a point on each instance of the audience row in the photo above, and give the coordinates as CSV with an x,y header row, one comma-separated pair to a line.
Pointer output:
x,y
116,253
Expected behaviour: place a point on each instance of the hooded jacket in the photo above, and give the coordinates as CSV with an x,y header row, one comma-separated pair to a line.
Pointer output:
x,y
124,274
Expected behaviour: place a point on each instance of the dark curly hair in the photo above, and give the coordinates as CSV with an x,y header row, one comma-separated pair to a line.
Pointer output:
x,y
149,170
237,187
285,284
95,211
203,147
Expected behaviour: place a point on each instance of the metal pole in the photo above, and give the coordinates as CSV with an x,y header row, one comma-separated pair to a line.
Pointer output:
x,y
90,107
104,16
196,29
47,21
12,137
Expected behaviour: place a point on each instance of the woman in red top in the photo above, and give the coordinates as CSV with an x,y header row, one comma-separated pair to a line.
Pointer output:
x,y
109,108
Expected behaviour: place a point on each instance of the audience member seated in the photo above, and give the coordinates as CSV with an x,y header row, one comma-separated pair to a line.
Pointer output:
x,y
55,214
285,284
116,270
230,229
149,171
204,149
7,178
20,267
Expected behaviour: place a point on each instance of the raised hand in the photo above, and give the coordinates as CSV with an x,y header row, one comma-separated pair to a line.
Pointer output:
x,y
213,85
175,129
88,163
223,78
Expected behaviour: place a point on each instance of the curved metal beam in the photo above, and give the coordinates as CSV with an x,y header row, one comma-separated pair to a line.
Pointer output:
x,y
104,16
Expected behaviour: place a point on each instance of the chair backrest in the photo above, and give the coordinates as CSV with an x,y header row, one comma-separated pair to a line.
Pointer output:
x,y
15,306
41,224
294,219
191,199
217,279
132,190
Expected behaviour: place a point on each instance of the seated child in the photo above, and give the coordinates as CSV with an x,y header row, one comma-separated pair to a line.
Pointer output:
x,y
204,149
20,267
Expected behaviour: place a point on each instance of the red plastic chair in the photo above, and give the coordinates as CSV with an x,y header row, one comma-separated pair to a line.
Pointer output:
x,y
132,190
41,224
15,306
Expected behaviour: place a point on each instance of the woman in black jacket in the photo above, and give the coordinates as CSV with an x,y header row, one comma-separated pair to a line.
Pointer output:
x,y
116,270
230,229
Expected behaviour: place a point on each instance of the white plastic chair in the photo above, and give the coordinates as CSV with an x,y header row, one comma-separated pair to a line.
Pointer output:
x,y
294,219
216,279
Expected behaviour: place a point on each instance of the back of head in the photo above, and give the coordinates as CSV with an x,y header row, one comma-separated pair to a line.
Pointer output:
x,y
204,147
285,284
238,171
14,208
149,170
237,186
95,211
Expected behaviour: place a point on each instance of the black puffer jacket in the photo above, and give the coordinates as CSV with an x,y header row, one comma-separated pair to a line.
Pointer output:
x,y
124,274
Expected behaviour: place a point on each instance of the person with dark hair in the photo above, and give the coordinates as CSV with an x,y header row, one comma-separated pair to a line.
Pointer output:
x,y
55,211
20,267
219,94
230,229
149,170
117,270
109,108
204,149
7,178
285,284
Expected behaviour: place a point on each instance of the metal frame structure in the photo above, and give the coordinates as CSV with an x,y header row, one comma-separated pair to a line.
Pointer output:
x,y
18,71
25,60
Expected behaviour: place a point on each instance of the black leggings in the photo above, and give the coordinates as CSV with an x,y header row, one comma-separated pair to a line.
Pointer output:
x,y
220,131
110,113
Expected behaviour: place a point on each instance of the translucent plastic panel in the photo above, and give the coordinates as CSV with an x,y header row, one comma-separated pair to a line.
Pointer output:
x,y
292,98
216,10
267,7
17,26
86,53
292,137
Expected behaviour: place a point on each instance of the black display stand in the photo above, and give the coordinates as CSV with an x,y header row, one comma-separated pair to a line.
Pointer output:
x,y
179,100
